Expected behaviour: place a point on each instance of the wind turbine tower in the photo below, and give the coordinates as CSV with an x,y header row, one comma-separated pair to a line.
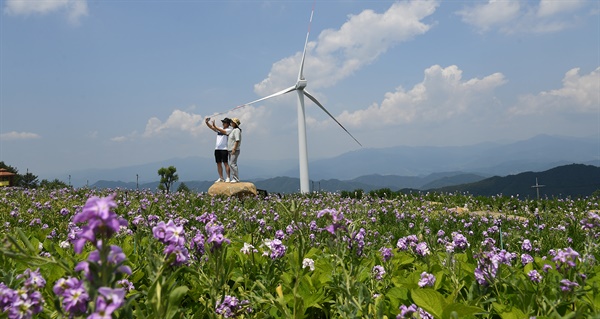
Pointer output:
x,y
300,88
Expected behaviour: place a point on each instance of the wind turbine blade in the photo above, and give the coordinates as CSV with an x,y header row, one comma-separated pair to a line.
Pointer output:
x,y
312,98
301,71
290,89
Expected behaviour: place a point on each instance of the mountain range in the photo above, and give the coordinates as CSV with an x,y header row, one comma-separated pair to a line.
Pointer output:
x,y
574,180
402,166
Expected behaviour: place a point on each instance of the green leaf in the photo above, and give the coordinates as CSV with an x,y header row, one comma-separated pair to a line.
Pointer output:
x,y
175,298
528,268
26,241
461,311
507,312
430,300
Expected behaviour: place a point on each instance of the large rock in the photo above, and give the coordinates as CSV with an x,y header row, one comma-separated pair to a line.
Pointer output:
x,y
240,189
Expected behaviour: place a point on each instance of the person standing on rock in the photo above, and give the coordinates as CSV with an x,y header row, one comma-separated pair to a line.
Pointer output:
x,y
233,146
221,147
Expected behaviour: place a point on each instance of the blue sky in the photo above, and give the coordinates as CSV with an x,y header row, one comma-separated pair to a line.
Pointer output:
x,y
104,84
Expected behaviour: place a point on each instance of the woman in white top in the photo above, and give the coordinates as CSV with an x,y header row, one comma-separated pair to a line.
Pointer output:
x,y
221,151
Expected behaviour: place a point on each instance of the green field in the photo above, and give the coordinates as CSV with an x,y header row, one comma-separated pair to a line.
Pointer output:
x,y
85,253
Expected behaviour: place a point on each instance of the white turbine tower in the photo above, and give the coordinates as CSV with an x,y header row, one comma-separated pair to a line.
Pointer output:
x,y
300,88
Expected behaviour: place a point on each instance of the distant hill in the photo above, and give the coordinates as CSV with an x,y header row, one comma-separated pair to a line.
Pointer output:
x,y
402,165
287,185
573,180
568,180
536,154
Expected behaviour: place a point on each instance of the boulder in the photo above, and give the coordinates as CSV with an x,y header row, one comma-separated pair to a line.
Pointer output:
x,y
239,189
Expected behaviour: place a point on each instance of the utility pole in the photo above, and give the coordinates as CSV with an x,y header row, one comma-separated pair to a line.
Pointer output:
x,y
537,188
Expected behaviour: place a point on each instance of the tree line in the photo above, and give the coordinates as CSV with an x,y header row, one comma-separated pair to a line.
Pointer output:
x,y
30,180
167,175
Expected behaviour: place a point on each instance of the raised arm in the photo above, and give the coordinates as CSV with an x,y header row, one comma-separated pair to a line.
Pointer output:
x,y
208,123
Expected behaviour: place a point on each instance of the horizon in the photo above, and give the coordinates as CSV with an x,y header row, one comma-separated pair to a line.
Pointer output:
x,y
112,84
545,150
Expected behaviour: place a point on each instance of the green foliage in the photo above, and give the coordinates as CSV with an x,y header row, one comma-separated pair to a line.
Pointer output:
x,y
29,181
54,184
183,188
168,176
343,284
382,193
356,194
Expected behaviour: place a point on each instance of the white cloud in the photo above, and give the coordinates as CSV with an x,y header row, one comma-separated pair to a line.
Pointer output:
x,y
579,94
492,14
553,7
177,121
11,136
545,16
442,95
339,53
75,9
193,124
119,139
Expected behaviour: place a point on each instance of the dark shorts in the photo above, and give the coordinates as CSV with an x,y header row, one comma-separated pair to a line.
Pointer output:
x,y
221,156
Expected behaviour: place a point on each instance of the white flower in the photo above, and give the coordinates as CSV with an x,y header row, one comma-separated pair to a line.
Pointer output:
x,y
307,262
247,249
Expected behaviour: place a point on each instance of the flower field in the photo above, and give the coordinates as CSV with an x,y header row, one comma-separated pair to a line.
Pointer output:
x,y
85,253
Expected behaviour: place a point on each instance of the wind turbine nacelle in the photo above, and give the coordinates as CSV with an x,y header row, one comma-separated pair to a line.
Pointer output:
x,y
301,84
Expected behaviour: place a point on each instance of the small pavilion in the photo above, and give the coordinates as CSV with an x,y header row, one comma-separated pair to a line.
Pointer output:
x,y
7,178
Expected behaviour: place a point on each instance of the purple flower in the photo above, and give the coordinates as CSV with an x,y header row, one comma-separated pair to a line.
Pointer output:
x,y
378,272
336,217
197,243
75,299
230,307
116,297
217,240
115,258
567,285
534,276
280,235
565,258
24,302
96,208
277,248
459,241
103,309
174,234
546,268
7,297
126,284
526,259
356,241
422,249
101,221
386,253
407,312
526,246
159,231
181,254
487,267
427,280
214,231
406,243
33,279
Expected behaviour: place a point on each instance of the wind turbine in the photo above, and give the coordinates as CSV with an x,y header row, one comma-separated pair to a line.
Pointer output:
x,y
300,88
